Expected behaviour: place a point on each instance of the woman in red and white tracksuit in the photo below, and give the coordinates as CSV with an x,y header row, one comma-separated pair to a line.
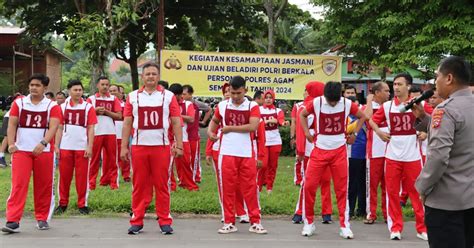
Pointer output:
x,y
33,123
151,111
330,152
236,164
303,150
75,138
273,117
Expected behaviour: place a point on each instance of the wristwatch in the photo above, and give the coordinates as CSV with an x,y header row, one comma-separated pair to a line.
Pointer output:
x,y
43,142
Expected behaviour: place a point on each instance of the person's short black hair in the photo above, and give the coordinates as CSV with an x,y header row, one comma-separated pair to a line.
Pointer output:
x,y
188,88
258,94
458,67
61,93
177,89
406,76
50,94
102,78
415,89
151,64
163,83
41,77
74,82
349,87
237,82
333,91
377,86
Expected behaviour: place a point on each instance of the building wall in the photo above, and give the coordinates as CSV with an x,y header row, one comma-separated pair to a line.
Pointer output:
x,y
53,71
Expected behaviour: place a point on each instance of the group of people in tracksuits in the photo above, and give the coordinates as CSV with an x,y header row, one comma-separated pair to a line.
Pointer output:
x,y
243,145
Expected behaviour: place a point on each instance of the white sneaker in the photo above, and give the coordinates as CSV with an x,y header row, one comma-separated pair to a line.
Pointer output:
x,y
258,229
227,228
346,233
423,236
308,229
395,236
244,219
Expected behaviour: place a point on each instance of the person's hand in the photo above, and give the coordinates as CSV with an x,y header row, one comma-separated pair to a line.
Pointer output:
x,y
259,164
418,111
370,97
38,149
56,150
226,129
177,152
12,149
285,123
423,198
350,139
88,152
422,136
124,154
213,137
209,160
300,158
309,137
292,143
384,136
100,110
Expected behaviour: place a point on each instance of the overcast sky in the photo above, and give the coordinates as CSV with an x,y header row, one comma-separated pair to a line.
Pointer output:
x,y
305,5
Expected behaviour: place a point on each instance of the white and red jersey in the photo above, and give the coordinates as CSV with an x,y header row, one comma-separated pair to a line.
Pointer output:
x,y
119,123
233,143
403,144
272,133
75,121
151,115
303,146
375,146
186,108
424,144
33,121
105,125
331,121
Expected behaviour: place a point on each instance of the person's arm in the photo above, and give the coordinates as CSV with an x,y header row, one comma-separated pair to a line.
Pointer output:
x,y
281,118
116,112
361,117
175,117
126,130
422,119
91,122
59,136
214,125
207,112
378,118
12,128
439,148
369,110
54,121
189,116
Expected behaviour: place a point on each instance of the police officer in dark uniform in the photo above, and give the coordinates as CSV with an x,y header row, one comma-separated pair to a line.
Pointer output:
x,y
446,183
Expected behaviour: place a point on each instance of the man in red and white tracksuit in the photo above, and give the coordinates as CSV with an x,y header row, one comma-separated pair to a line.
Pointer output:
x,y
237,165
124,166
33,122
184,165
75,139
303,151
151,111
402,157
376,153
273,117
108,109
330,151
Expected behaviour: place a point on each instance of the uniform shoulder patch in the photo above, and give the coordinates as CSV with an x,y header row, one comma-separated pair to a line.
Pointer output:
x,y
436,118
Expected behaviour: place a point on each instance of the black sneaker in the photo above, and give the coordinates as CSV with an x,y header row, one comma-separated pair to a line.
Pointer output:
x,y
297,219
11,227
60,209
327,219
84,210
134,230
3,162
166,229
42,225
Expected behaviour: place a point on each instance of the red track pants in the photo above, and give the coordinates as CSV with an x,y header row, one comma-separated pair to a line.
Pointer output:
x,y
394,172
123,165
321,160
326,202
185,170
235,172
105,145
298,172
151,165
375,177
196,159
73,163
267,174
23,163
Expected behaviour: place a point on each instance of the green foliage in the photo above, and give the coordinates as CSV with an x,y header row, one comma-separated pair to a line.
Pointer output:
x,y
401,33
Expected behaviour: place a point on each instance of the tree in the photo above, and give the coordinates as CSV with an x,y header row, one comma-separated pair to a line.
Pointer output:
x,y
404,33
273,15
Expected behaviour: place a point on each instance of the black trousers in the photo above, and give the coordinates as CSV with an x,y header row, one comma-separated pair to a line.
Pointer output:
x,y
450,229
357,186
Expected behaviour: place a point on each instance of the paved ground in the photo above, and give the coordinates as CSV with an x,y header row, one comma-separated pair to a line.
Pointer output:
x,y
192,232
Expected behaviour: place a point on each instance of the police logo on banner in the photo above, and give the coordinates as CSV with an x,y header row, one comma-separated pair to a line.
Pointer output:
x,y
173,63
329,66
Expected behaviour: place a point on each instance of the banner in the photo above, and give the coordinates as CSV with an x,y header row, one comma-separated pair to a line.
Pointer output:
x,y
285,74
